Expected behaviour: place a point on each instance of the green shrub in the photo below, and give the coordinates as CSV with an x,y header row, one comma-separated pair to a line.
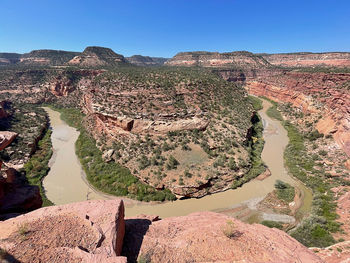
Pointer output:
x,y
37,166
284,191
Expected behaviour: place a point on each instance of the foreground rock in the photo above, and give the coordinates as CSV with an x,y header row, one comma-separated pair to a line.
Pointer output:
x,y
90,231
209,237
338,253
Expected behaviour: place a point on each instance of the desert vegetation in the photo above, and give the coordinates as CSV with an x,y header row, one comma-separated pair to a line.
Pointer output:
x,y
304,157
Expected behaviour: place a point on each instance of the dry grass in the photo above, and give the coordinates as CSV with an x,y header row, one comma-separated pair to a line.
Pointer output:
x,y
230,230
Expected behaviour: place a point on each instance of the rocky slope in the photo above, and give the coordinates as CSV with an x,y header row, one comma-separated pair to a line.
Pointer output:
x,y
238,59
313,92
308,59
139,60
16,146
101,234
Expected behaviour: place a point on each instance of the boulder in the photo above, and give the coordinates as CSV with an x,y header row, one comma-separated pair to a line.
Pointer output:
x,y
91,231
6,137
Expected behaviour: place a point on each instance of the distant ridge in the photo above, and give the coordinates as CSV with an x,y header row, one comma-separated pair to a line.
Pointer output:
x,y
98,56
140,60
237,59
95,56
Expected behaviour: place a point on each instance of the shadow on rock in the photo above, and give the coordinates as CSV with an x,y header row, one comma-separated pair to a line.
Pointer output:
x,y
135,229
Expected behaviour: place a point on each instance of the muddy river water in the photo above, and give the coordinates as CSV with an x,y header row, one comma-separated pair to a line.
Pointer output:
x,y
65,182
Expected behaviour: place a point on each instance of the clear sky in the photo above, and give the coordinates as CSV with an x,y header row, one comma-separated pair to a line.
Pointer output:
x,y
165,27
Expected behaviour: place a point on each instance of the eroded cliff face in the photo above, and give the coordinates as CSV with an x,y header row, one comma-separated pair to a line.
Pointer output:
x,y
331,59
325,93
238,59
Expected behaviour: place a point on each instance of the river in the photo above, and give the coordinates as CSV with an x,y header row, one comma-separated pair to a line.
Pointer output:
x,y
65,182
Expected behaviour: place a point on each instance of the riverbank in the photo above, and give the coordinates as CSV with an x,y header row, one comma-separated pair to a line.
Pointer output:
x,y
63,183
37,166
318,229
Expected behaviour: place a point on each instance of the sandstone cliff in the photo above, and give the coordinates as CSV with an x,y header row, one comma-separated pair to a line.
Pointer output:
x,y
313,92
308,59
238,59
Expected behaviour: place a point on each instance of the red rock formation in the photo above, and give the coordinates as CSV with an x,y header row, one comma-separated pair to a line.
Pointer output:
x,y
90,231
312,92
199,237
338,253
6,137
61,87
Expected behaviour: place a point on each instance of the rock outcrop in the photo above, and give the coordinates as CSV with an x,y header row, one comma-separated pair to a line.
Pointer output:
x,y
6,137
313,92
91,231
95,231
210,237
308,59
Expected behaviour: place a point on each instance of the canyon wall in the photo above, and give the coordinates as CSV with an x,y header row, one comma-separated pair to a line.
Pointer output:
x,y
307,59
238,59
327,93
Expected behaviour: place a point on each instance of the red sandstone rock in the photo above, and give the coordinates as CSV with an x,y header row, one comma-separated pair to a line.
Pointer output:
x,y
199,237
264,175
94,225
338,253
298,88
6,138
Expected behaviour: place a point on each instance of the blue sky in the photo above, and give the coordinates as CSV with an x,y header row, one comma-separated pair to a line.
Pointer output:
x,y
165,27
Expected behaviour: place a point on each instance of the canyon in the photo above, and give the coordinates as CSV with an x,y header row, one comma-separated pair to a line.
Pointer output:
x,y
153,121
